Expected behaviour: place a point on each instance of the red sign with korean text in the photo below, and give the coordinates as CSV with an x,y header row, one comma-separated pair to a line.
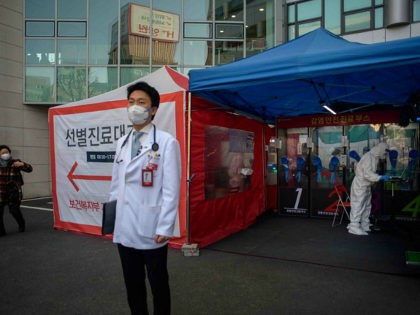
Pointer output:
x,y
385,116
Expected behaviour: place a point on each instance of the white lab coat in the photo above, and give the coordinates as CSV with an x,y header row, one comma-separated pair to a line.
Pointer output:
x,y
360,193
143,212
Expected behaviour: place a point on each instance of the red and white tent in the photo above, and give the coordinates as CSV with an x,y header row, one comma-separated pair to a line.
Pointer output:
x,y
83,137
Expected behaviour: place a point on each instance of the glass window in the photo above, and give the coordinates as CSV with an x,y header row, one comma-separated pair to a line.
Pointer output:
x,y
39,28
166,32
75,29
291,34
39,84
102,79
135,30
75,9
379,17
173,6
40,9
229,10
362,138
229,154
254,46
350,5
103,32
197,30
357,22
39,51
71,84
141,2
304,28
327,148
259,26
402,140
379,2
71,51
198,10
291,11
309,10
165,53
332,16
416,10
198,53
227,51
234,31
130,74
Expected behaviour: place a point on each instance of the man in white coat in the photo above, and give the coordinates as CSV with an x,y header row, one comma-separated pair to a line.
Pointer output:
x,y
146,184
360,193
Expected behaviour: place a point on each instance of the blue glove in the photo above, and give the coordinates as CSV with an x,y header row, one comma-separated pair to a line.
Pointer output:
x,y
384,177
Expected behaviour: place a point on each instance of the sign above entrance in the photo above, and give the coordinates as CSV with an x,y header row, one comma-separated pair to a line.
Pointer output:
x,y
385,116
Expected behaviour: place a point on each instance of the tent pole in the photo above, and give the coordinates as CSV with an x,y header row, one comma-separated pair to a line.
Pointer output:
x,y
265,157
189,249
188,167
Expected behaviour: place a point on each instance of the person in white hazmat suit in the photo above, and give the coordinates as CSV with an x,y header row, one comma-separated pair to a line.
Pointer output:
x,y
360,193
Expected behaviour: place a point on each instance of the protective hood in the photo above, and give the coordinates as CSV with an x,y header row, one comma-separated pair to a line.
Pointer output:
x,y
379,150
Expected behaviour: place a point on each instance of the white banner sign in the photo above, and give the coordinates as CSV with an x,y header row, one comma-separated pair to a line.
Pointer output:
x,y
165,26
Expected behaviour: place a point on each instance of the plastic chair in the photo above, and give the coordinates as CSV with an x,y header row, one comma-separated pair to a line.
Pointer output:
x,y
343,202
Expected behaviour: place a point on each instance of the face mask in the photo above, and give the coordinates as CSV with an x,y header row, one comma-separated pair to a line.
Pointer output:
x,y
5,156
138,115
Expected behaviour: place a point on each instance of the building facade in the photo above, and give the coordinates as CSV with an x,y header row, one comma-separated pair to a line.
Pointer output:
x,y
59,51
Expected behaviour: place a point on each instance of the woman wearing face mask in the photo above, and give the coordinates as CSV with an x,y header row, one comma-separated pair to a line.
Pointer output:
x,y
146,184
11,186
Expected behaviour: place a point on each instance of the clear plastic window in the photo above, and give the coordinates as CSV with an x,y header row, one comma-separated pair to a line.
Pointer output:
x,y
229,158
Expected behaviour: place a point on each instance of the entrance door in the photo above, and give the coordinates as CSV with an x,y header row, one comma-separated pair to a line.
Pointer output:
x,y
293,168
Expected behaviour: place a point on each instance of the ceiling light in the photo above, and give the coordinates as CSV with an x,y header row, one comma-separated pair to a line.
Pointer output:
x,y
329,109
261,9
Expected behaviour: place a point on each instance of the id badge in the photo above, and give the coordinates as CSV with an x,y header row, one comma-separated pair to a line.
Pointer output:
x,y
147,178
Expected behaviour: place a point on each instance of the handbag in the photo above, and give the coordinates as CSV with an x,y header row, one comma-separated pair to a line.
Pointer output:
x,y
108,217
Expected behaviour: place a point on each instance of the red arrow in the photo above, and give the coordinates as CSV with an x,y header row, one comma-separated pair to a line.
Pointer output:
x,y
72,177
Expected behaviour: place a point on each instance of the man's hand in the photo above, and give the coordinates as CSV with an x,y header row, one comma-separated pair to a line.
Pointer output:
x,y
161,238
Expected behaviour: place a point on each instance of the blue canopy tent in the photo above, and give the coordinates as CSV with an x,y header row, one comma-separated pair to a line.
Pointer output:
x,y
318,68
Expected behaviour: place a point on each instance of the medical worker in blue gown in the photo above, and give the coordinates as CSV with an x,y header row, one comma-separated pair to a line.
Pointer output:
x,y
360,194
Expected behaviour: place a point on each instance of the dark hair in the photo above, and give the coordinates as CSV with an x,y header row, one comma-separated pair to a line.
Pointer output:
x,y
3,146
149,90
